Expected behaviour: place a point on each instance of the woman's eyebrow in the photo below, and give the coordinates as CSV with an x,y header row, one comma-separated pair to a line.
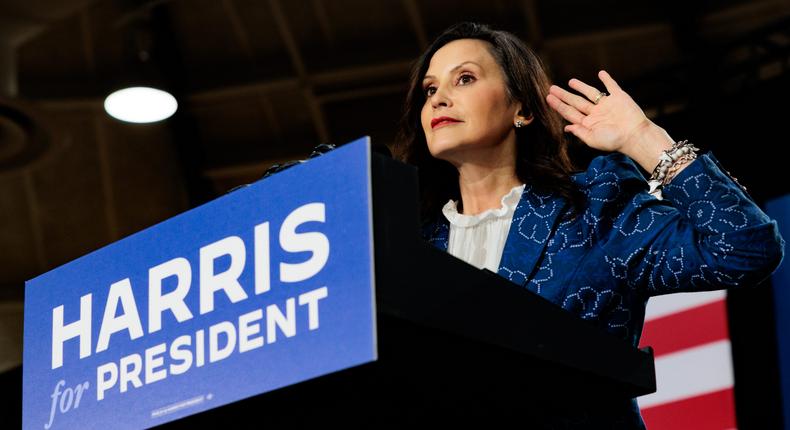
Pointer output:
x,y
455,68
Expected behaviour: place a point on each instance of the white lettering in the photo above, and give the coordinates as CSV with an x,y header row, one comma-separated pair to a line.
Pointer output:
x,y
216,352
263,278
248,327
184,355
131,367
174,300
106,378
153,360
129,318
312,298
199,349
80,328
228,280
275,318
315,242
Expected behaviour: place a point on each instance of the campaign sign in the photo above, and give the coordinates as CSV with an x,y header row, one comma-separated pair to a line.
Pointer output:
x,y
261,288
779,209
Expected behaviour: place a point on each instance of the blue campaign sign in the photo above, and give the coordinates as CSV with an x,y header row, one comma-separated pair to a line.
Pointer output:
x,y
262,288
779,209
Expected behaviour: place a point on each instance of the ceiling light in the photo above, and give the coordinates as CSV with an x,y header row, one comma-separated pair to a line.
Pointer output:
x,y
140,105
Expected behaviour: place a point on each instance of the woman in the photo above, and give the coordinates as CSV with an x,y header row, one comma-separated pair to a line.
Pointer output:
x,y
485,128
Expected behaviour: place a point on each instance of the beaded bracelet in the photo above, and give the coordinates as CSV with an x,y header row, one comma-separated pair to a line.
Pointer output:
x,y
671,160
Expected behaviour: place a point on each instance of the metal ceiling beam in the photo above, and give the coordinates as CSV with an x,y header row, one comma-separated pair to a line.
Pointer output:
x,y
238,29
20,21
417,24
604,36
141,11
86,34
323,21
534,32
8,71
724,18
11,334
346,76
271,117
167,55
34,209
397,70
319,120
362,93
288,38
246,170
105,171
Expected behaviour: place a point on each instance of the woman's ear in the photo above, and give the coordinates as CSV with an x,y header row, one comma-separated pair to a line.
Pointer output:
x,y
524,116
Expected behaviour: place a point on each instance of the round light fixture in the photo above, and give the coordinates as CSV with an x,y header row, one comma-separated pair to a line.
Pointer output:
x,y
140,105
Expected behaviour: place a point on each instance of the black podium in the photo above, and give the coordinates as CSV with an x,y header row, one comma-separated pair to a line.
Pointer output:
x,y
454,343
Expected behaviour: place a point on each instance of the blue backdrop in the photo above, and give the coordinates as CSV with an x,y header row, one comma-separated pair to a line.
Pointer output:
x,y
779,209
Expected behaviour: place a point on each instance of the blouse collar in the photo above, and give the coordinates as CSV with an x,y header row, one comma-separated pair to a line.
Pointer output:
x,y
508,205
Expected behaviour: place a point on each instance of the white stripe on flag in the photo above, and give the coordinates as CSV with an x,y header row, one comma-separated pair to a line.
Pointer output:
x,y
660,306
691,372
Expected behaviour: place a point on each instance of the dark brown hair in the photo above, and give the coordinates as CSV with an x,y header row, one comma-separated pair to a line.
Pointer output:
x,y
542,159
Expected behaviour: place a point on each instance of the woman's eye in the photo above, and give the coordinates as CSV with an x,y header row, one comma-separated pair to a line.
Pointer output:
x,y
465,79
429,91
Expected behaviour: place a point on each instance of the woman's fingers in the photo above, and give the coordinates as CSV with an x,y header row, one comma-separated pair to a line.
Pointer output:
x,y
606,78
580,103
567,111
589,91
580,131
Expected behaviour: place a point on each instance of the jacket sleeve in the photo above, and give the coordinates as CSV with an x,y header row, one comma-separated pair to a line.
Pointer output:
x,y
705,234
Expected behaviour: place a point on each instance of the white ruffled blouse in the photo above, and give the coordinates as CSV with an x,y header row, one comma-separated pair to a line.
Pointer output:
x,y
480,239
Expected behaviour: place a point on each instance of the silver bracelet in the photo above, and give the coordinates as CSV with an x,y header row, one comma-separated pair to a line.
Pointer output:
x,y
680,153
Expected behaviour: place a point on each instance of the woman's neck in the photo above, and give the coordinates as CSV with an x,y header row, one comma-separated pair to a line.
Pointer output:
x,y
485,174
483,189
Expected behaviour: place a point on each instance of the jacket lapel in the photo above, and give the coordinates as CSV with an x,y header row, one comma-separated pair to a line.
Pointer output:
x,y
438,233
534,222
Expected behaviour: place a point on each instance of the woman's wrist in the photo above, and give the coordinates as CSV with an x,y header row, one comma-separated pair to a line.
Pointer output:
x,y
650,145
647,145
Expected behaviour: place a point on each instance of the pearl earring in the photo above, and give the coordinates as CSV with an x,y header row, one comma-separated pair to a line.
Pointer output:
x,y
519,123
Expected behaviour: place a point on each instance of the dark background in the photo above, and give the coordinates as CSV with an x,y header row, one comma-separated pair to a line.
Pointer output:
x,y
260,82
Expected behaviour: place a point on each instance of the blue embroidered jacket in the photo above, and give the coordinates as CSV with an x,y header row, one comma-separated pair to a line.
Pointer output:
x,y
627,245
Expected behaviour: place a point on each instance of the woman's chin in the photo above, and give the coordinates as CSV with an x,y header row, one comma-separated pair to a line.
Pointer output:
x,y
445,144
443,151
451,154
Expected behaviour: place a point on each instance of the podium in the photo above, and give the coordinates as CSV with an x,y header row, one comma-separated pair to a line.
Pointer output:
x,y
454,343
309,298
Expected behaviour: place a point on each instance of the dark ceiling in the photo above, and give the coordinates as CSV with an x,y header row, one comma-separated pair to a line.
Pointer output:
x,y
260,82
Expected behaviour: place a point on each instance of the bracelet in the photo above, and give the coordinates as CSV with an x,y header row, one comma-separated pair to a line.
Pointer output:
x,y
671,160
675,168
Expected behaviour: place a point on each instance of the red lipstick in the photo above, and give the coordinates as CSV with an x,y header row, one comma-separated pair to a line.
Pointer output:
x,y
443,120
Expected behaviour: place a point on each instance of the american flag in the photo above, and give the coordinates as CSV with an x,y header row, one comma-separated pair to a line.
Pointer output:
x,y
694,375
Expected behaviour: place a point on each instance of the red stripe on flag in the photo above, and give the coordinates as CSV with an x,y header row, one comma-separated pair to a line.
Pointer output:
x,y
686,329
708,411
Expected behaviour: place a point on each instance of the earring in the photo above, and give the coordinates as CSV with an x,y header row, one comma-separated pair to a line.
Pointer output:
x,y
519,123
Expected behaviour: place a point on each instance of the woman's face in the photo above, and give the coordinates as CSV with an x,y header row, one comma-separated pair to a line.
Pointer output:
x,y
464,84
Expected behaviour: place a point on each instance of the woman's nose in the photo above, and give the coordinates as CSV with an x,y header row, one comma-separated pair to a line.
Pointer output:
x,y
441,98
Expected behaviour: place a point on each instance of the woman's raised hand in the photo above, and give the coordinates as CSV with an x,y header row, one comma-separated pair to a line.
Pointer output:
x,y
615,123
